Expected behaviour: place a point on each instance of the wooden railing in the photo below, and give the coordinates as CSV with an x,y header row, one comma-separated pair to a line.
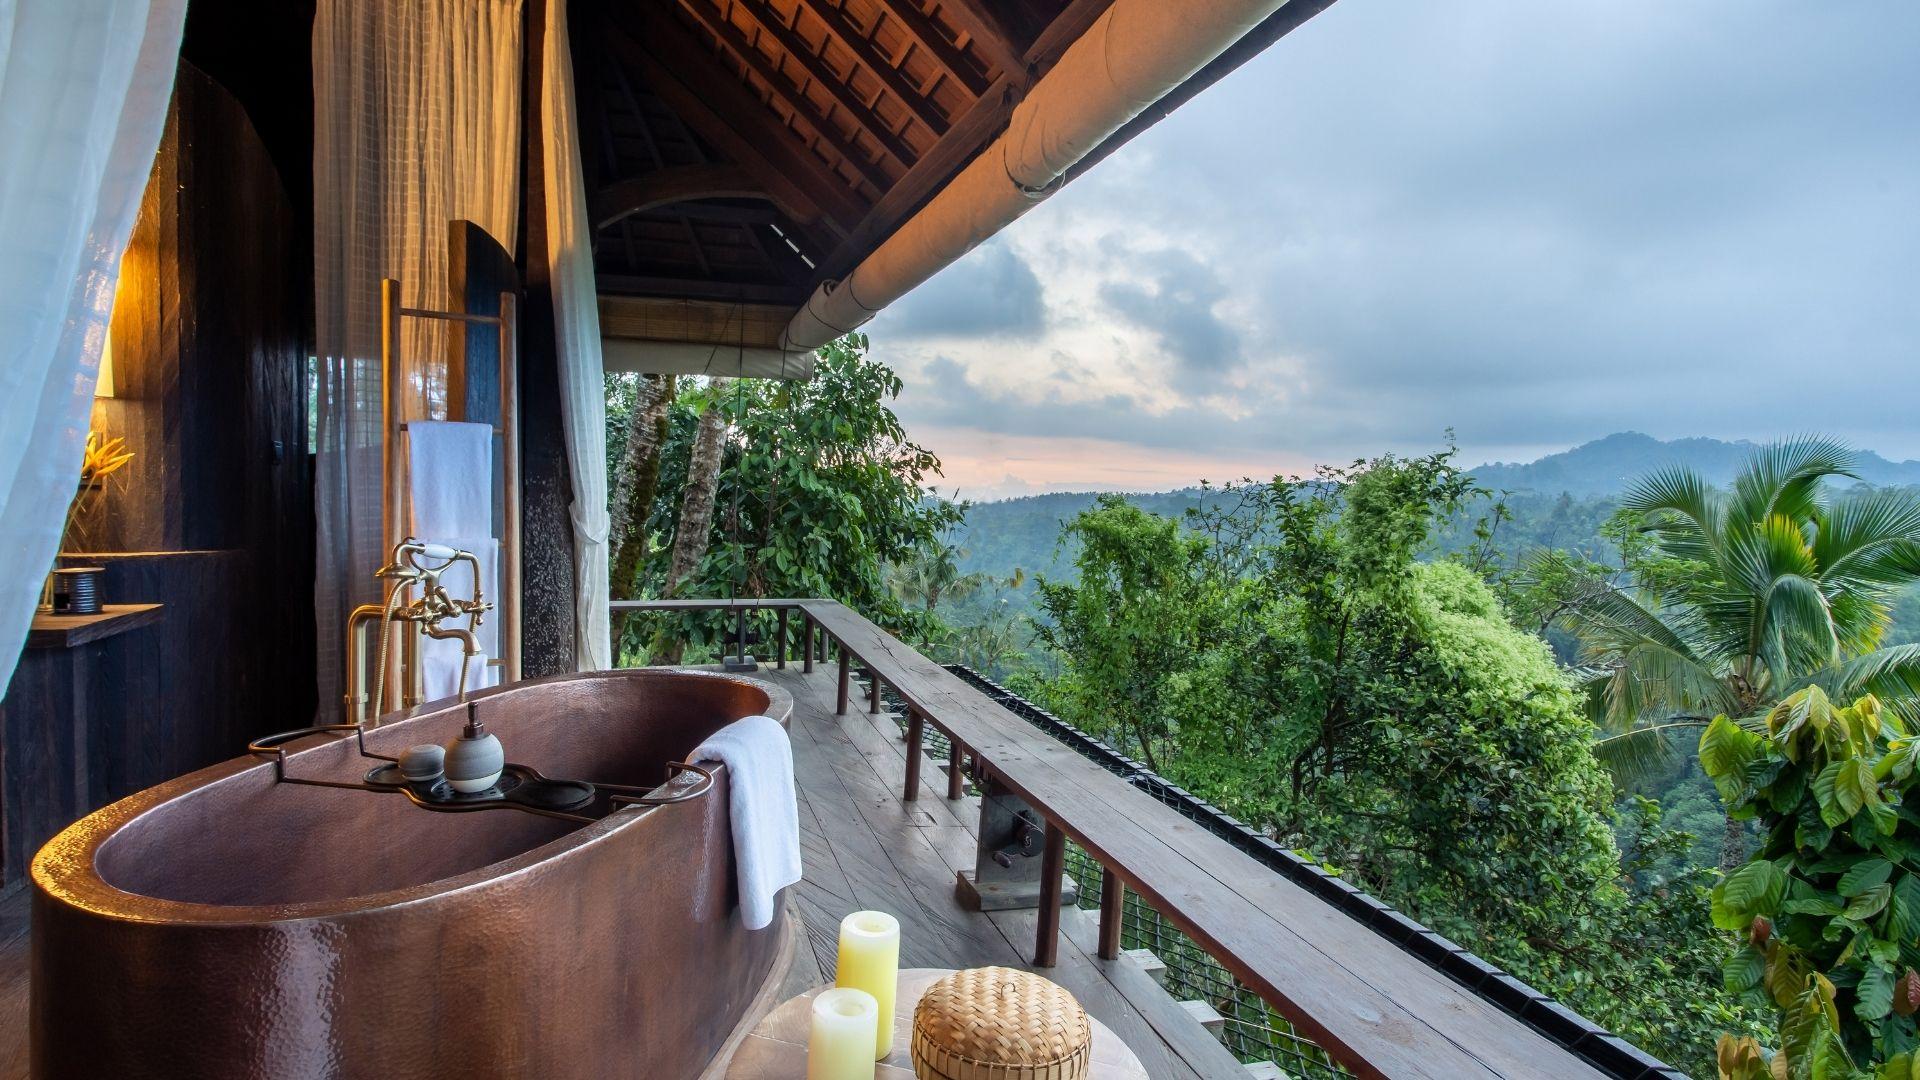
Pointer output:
x,y
1377,1008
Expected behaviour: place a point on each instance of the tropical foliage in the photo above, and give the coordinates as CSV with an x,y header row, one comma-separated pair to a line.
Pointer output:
x,y
1829,908
1288,656
819,489
1747,595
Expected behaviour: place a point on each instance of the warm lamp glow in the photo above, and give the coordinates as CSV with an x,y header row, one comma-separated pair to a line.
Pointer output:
x,y
104,388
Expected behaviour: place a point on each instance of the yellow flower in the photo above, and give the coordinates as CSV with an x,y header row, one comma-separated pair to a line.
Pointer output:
x,y
103,458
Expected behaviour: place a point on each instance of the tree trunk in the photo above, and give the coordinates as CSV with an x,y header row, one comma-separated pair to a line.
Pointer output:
x,y
695,529
636,483
1733,846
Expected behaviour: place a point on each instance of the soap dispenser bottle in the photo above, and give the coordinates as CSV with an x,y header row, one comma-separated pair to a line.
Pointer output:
x,y
475,759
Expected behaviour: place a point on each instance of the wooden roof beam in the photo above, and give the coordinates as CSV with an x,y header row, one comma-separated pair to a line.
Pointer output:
x,y
649,285
842,30
679,184
734,41
769,22
729,117
948,55
974,130
989,32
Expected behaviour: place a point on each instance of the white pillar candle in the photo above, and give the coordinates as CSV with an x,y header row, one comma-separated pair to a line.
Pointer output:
x,y
870,961
840,1043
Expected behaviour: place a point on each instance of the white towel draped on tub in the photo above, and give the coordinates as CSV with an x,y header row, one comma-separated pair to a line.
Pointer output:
x,y
764,809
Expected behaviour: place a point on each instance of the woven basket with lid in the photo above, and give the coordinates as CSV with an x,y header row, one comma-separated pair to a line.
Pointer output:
x,y
996,1023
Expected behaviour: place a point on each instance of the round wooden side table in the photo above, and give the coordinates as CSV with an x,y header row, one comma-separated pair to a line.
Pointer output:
x,y
777,1048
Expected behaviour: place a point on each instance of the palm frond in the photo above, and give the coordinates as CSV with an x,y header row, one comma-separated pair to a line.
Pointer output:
x,y
1890,674
1641,753
1614,622
1787,477
1682,509
1873,538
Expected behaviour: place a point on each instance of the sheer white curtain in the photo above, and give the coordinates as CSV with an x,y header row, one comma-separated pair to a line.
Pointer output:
x,y
416,123
83,98
576,319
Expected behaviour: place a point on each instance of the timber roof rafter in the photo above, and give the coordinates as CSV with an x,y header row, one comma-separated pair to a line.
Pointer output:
x,y
760,147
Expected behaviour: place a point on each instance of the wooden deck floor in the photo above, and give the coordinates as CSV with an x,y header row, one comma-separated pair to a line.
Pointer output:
x,y
867,848
864,848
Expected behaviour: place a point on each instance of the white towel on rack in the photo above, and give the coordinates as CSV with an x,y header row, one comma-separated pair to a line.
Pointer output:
x,y
763,807
450,478
440,657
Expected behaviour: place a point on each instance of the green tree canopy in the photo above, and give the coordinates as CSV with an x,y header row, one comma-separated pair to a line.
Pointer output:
x,y
819,490
1291,658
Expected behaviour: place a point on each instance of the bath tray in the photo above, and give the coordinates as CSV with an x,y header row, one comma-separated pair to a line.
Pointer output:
x,y
520,787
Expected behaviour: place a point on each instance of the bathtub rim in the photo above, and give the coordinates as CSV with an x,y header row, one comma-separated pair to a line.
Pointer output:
x,y
64,870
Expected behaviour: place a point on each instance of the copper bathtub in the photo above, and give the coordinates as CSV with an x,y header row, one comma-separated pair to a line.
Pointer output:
x,y
225,925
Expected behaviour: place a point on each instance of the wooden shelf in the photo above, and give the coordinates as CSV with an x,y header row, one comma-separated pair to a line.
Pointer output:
x,y
66,631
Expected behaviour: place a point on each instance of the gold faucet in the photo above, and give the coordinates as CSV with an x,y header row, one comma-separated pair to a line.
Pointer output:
x,y
414,563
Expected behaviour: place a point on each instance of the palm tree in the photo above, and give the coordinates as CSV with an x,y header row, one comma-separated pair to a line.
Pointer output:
x,y
637,479
694,531
1760,590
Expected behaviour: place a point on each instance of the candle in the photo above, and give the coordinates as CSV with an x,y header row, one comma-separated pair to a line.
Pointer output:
x,y
870,961
840,1043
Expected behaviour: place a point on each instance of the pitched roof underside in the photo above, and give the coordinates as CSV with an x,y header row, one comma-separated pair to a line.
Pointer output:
x,y
744,151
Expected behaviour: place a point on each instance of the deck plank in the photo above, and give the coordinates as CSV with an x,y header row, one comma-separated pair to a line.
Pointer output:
x,y
858,758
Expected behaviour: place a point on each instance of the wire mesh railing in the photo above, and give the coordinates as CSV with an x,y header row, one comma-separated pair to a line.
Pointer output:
x,y
1252,1031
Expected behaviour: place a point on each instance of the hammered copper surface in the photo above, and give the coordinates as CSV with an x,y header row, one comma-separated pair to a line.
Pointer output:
x,y
223,925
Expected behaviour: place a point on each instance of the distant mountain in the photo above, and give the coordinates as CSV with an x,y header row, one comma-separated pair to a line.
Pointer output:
x,y
1606,466
1003,534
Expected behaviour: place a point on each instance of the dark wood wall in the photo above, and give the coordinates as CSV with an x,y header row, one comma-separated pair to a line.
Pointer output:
x,y
213,518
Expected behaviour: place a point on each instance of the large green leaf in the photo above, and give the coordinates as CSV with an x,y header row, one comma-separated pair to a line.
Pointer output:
x,y
1743,970
1874,994
1869,903
1754,889
1864,875
1726,748
1826,791
1906,908
1853,786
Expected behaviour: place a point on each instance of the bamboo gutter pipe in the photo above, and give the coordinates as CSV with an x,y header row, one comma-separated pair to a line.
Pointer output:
x,y
1137,52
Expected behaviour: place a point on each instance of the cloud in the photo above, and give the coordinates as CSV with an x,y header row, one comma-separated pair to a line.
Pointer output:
x,y
1533,223
1176,303
992,292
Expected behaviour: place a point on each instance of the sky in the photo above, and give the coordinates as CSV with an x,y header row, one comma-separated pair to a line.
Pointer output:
x,y
1530,222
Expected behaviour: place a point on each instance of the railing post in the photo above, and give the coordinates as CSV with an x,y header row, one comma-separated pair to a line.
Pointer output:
x,y
916,730
780,642
873,690
956,779
1111,895
1053,859
806,629
840,704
